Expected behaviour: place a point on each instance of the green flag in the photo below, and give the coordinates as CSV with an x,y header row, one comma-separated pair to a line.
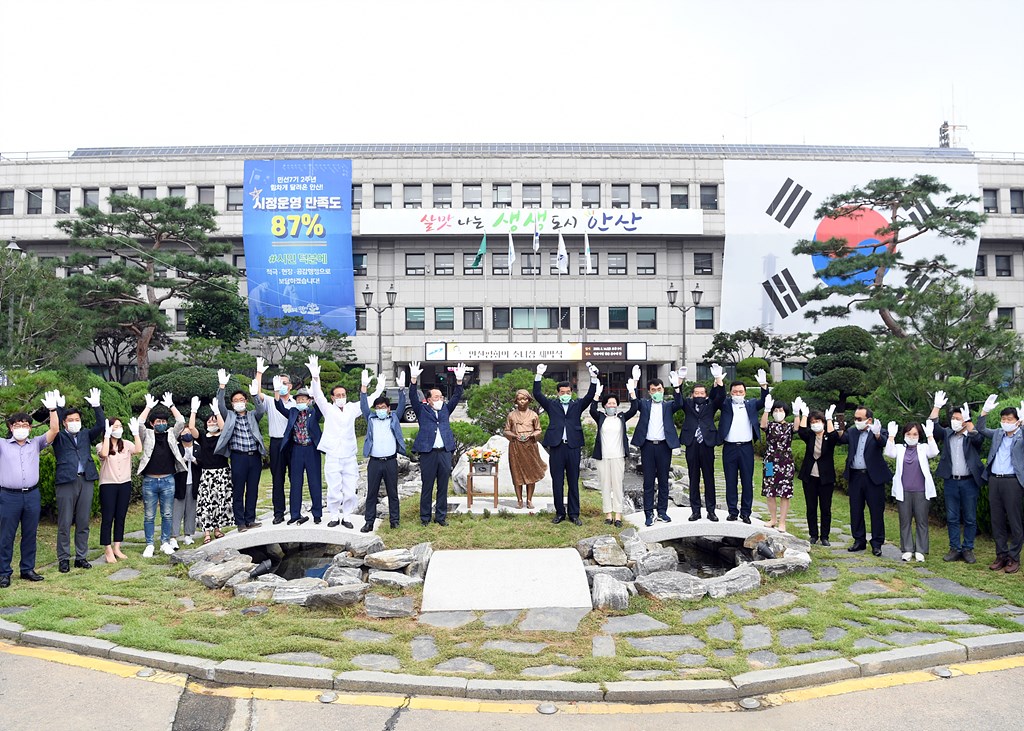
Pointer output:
x,y
480,252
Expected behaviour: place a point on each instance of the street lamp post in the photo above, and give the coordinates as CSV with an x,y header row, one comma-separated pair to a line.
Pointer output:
x,y
695,295
368,299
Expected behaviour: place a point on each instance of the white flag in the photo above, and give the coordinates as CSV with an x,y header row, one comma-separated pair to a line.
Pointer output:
x,y
586,253
511,254
536,237
563,257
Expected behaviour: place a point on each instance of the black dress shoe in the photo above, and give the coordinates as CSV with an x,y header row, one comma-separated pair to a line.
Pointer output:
x,y
814,540
575,521
557,519
824,542
856,547
876,551
31,576
443,522
746,519
255,524
712,517
316,521
333,523
64,566
694,516
424,523
278,520
5,581
732,518
81,563
618,524
394,524
608,521
346,524
367,527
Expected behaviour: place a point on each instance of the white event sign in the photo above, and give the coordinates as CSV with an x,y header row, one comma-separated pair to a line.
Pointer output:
x,y
570,221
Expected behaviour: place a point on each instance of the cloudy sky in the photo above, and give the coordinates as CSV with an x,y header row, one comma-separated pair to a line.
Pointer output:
x,y
84,74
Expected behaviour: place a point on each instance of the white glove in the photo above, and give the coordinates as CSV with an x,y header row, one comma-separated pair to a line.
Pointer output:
x,y
168,400
929,428
414,369
254,388
460,371
150,402
313,365
364,378
276,382
990,403
133,425
636,373
593,369
830,412
631,386
892,427
61,401
382,381
965,413
673,378
940,399
876,427
805,410
400,381
762,377
768,403
797,403
261,365
222,377
93,399
214,407
106,429
541,369
598,391
682,374
50,400
717,372
193,405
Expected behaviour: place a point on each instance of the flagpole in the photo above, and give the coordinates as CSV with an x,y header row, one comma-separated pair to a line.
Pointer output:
x,y
511,262
586,270
483,263
536,272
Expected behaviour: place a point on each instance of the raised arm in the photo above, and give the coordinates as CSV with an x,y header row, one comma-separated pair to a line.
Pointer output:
x,y
50,403
193,410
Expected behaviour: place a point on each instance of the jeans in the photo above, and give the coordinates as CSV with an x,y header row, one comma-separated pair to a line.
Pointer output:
x,y
157,489
961,505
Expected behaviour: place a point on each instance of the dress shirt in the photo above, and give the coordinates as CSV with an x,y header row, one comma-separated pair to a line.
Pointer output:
x,y
956,454
740,430
276,421
858,454
656,424
384,443
19,463
1003,463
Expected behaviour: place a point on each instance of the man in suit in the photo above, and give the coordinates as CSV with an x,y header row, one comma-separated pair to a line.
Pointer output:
x,y
1004,473
299,443
866,476
276,422
384,442
738,429
962,476
242,443
699,435
655,436
434,442
564,440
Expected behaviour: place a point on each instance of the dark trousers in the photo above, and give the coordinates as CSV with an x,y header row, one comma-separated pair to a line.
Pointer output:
x,y
278,467
74,505
738,465
386,470
1004,499
18,508
435,467
245,485
564,462
655,459
114,500
818,495
961,506
863,491
305,459
700,460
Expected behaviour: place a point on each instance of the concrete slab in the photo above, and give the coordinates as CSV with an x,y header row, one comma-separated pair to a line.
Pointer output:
x,y
684,691
984,648
509,504
771,681
681,527
912,658
308,532
506,579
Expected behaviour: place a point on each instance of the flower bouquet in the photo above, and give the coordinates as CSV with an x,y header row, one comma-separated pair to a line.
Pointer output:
x,y
483,461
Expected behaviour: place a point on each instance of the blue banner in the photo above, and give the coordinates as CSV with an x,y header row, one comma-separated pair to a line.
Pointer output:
x,y
297,233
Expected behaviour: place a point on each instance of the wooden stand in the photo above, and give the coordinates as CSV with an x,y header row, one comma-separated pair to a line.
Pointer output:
x,y
484,470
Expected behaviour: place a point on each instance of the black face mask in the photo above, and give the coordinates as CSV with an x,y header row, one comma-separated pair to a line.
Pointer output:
x,y
701,400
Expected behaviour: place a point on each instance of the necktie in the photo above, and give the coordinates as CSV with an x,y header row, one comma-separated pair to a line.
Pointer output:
x,y
699,436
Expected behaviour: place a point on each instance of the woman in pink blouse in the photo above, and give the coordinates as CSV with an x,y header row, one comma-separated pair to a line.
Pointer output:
x,y
115,485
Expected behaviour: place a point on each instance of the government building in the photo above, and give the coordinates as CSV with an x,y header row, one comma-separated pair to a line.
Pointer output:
x,y
684,240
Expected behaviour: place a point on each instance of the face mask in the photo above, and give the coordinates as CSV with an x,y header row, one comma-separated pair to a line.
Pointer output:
x,y
383,413
340,402
700,400
437,405
738,399
910,441
565,398
657,397
160,428
283,390
302,407
212,429
74,427
779,415
20,434
861,425
956,424
611,410
117,433
1008,427
239,407
817,427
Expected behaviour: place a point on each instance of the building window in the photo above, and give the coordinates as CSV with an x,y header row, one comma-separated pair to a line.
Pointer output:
x,y
646,265
149,194
472,196
980,269
990,200
793,372
444,318
1004,315
648,196
359,265
530,263
91,197
179,321
618,318
415,265
560,197
531,195
595,261
703,264
6,202
205,195
680,196
62,200
617,264
591,195
234,198
443,196
646,318
412,196
704,318
709,197
589,318
415,318
502,195
34,202
472,318
499,264
360,318
499,318
468,269
1016,201
382,196
544,318
357,197
444,264
620,196
239,262
1004,265
553,262
119,208
176,191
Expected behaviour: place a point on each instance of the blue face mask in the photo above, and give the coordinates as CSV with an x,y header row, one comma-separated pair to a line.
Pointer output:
x,y
302,407
382,413
159,428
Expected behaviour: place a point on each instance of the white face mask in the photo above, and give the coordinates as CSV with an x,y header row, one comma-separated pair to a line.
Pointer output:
x,y
74,427
212,429
1008,427
817,427
437,405
738,399
779,415
117,433
238,406
910,441
611,410
861,425
340,403
20,434
956,424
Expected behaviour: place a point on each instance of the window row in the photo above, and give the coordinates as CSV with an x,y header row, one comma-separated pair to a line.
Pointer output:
x,y
61,203
990,200
1003,265
542,318
615,264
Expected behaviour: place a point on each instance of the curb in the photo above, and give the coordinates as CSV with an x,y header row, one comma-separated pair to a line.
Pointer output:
x,y
266,674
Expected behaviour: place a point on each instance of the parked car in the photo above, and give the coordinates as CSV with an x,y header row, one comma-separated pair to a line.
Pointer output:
x,y
409,415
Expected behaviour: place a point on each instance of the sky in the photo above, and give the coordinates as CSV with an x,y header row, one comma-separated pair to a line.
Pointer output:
x,y
92,74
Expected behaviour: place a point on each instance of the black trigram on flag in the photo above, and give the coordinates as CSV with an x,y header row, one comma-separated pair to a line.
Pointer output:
x,y
919,211
918,281
784,293
788,202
